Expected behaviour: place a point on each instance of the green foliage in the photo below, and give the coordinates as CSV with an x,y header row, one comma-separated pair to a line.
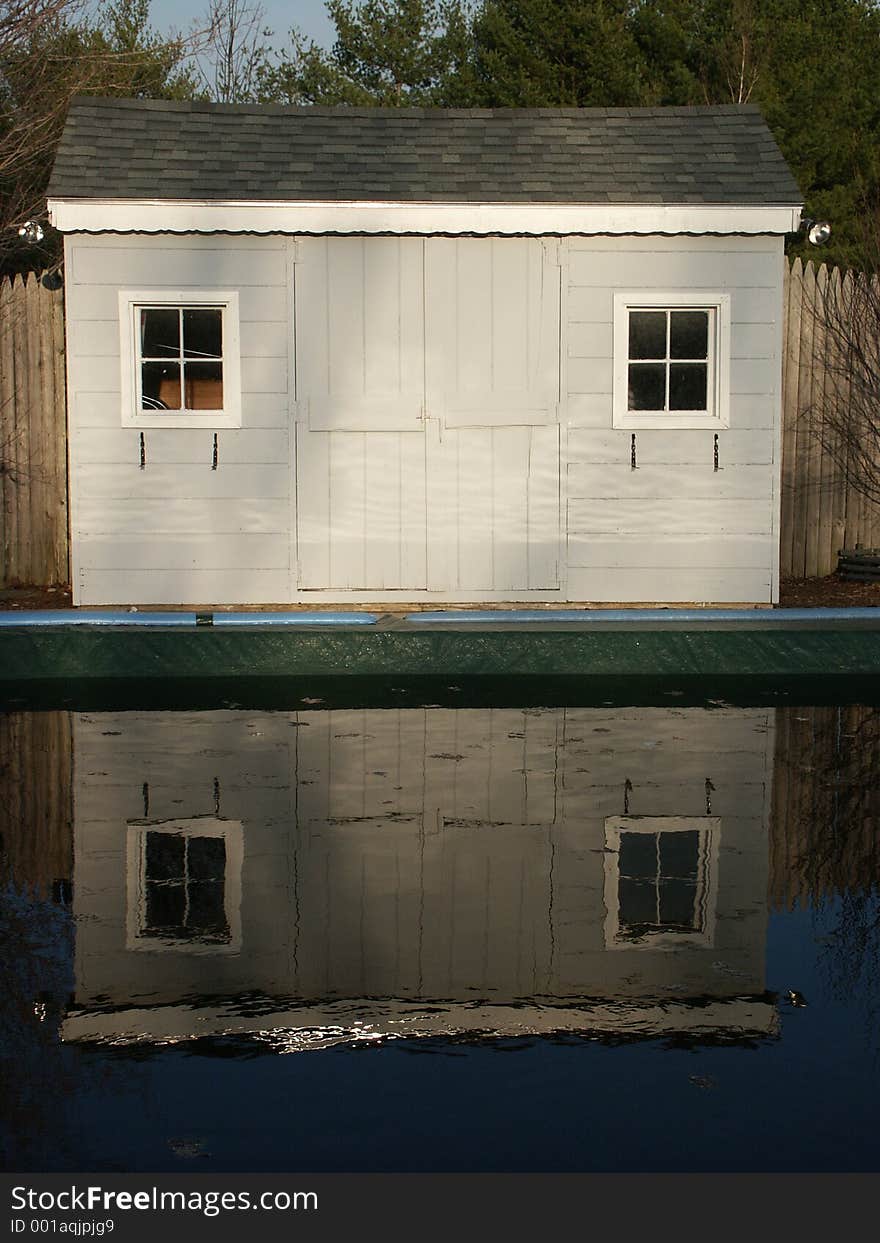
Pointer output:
x,y
393,53
53,53
549,53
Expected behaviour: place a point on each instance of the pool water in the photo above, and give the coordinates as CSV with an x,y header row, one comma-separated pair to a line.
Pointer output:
x,y
438,939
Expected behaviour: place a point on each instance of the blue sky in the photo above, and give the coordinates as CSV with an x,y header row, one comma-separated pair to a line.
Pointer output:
x,y
309,15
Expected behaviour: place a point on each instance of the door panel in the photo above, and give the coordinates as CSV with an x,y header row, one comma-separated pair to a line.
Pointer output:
x,y
493,331
427,414
502,532
361,518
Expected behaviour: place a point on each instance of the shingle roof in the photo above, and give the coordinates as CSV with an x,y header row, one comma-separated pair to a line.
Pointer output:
x,y
148,149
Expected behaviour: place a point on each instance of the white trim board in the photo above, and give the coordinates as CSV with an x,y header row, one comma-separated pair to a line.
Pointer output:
x,y
194,216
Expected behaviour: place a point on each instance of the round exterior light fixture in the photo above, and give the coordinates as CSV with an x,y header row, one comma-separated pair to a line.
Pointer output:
x,y
31,231
818,231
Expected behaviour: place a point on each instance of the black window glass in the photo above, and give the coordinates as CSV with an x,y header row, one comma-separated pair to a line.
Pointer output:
x,y
160,332
647,386
207,912
689,334
638,854
160,386
203,332
680,853
677,905
166,907
165,856
647,334
687,386
207,858
637,903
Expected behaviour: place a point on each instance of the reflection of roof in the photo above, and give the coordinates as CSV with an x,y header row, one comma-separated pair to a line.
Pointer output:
x,y
156,149
347,1022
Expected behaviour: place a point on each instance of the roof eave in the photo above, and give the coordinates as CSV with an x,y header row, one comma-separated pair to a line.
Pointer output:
x,y
92,215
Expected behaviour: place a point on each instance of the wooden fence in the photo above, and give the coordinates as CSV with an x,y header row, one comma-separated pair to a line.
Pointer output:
x,y
33,444
820,514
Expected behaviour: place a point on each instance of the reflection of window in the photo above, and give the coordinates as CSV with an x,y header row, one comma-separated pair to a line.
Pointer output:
x,y
184,885
660,880
184,882
671,360
180,359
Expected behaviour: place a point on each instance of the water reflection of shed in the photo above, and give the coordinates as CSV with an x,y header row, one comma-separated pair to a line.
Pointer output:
x,y
413,870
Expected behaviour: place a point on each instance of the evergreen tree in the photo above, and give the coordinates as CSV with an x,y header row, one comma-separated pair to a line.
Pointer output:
x,y
387,52
557,53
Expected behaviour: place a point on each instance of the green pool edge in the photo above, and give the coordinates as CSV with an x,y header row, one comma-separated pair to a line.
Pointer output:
x,y
105,652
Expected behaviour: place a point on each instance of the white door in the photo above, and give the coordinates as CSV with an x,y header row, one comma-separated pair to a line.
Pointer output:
x,y
427,433
492,323
360,430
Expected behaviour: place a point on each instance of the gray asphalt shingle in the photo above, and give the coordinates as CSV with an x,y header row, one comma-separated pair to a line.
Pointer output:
x,y
150,149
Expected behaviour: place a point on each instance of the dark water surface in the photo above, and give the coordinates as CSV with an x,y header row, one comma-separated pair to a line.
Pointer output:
x,y
571,939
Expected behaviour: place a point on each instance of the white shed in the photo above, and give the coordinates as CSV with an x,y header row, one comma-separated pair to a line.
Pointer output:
x,y
341,355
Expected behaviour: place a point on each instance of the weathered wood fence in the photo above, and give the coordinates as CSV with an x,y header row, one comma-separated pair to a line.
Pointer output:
x,y
820,513
33,444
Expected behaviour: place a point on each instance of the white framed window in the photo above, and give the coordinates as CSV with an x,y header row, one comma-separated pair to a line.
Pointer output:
x,y
661,876
671,359
180,358
184,885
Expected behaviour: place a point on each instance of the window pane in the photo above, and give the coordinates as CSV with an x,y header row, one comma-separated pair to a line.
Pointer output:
x,y
204,386
637,902
203,333
679,853
164,856
638,854
677,905
687,386
206,858
207,911
160,332
166,905
160,386
647,334
647,386
689,334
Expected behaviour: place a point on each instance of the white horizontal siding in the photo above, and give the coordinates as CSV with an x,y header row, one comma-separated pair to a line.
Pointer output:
x,y
180,446
151,586
677,517
705,552
180,551
205,516
109,480
735,447
179,531
225,266
617,481
672,584
681,269
674,529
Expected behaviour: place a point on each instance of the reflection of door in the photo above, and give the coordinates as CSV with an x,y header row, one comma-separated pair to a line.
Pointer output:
x,y
427,438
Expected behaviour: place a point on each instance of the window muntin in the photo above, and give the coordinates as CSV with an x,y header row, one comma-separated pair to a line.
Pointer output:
x,y
184,885
660,881
180,359
671,359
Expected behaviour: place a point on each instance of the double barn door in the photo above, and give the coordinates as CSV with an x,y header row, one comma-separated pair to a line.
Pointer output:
x,y
427,432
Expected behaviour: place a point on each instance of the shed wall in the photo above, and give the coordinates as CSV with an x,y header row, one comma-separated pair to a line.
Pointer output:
x,y
674,529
